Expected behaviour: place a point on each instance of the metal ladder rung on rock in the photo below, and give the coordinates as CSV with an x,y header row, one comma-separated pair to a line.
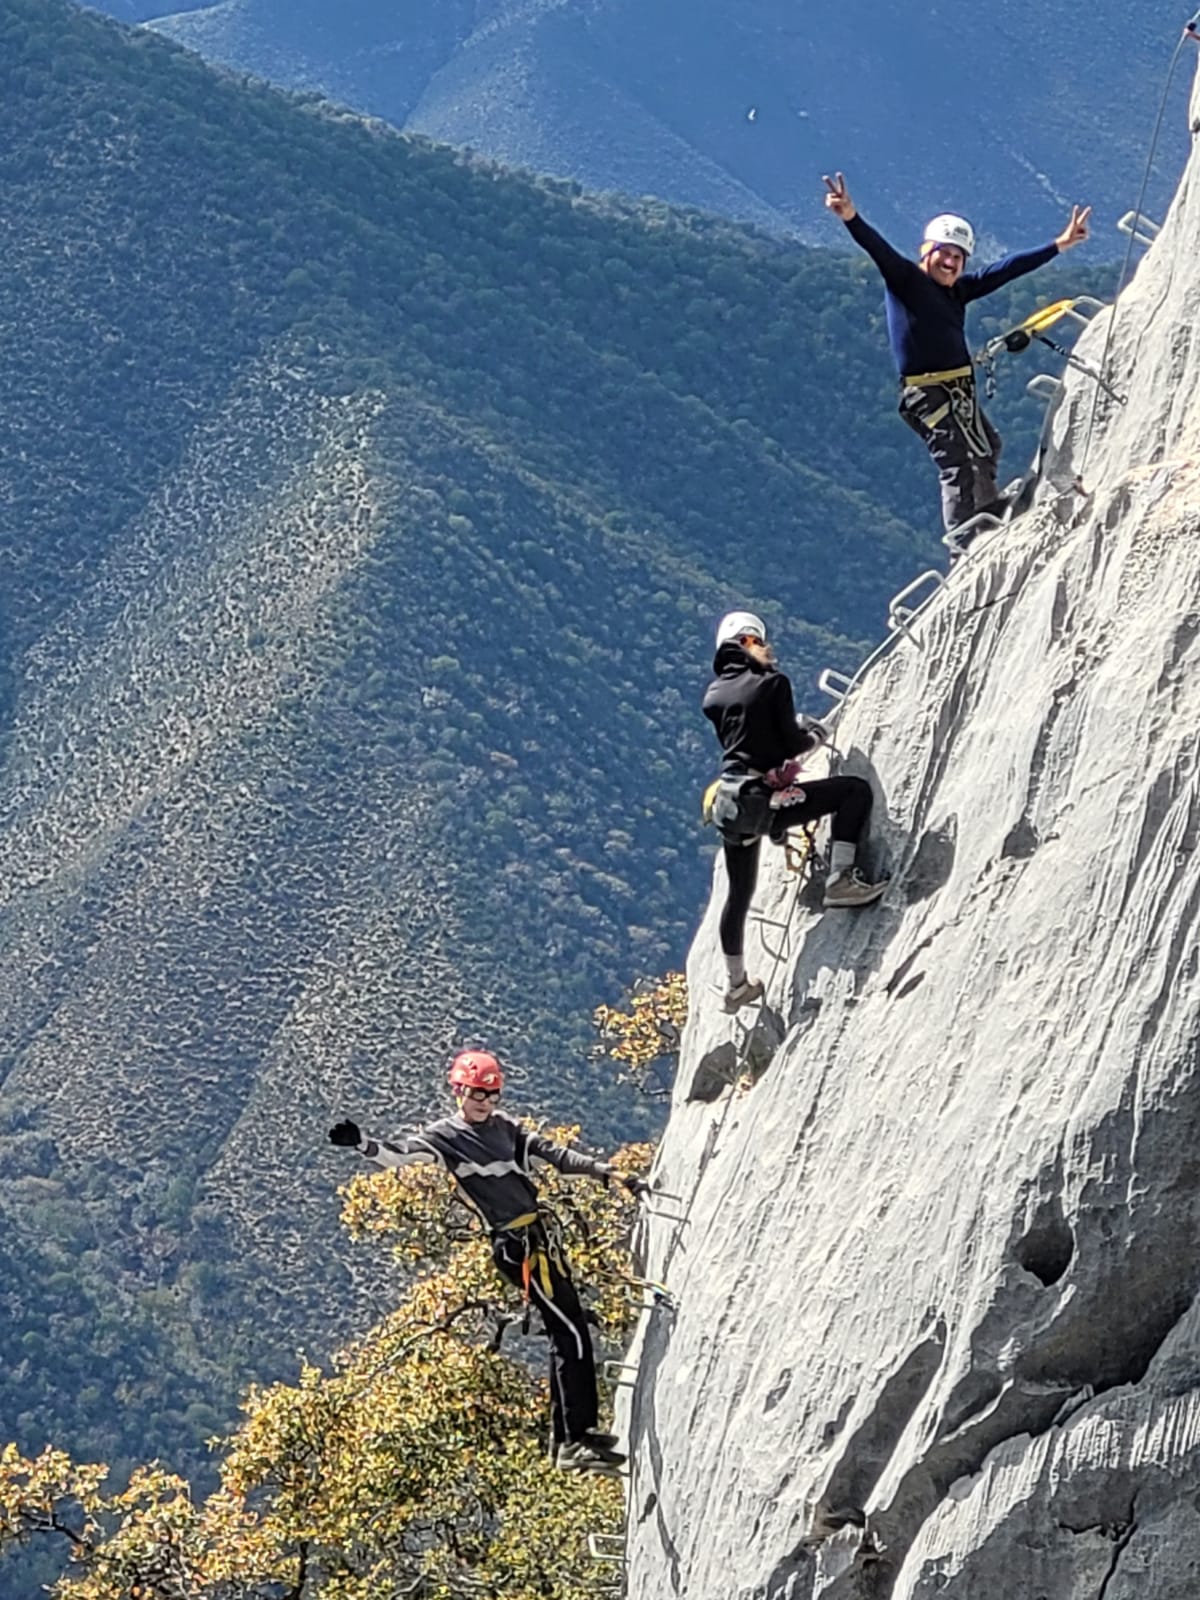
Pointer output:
x,y
981,522
901,612
1044,386
835,684
606,1547
1142,227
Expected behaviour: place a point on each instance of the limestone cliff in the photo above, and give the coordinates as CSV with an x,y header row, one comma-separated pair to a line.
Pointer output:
x,y
936,1329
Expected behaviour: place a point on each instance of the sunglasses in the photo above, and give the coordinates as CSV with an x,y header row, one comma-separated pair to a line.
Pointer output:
x,y
481,1094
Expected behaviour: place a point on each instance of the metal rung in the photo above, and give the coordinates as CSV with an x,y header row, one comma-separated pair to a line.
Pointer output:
x,y
612,1371
659,1290
981,522
1043,386
1090,304
1142,227
899,613
828,684
607,1547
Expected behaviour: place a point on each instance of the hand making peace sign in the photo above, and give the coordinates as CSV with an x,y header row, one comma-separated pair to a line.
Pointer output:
x,y
838,199
1076,231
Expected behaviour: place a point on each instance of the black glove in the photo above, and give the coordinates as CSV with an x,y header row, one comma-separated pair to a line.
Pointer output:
x,y
346,1134
604,1170
816,730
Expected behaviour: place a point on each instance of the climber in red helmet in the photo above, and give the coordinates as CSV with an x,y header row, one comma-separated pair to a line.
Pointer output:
x,y
490,1156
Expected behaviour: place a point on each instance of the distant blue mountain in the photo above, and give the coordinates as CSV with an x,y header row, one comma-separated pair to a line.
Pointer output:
x,y
1008,114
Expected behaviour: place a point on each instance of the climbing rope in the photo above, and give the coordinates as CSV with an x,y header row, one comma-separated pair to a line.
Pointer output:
x,y
1191,30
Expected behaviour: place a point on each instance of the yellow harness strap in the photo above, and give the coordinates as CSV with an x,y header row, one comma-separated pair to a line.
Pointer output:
x,y
1047,316
536,1258
924,379
525,1220
539,1262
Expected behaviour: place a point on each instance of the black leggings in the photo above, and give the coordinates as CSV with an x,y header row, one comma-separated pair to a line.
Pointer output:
x,y
573,1407
849,800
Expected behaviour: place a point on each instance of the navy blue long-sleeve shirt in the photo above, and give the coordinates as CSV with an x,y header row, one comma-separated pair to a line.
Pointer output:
x,y
925,320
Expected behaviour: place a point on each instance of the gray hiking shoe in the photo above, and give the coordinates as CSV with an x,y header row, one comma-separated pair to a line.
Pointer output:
x,y
850,888
583,1457
742,994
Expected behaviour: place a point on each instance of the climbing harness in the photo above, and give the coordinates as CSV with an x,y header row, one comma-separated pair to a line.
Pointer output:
x,y
961,405
541,1236
740,808
1017,339
752,808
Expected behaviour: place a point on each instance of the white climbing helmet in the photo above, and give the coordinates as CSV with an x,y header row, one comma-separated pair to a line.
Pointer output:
x,y
735,624
949,229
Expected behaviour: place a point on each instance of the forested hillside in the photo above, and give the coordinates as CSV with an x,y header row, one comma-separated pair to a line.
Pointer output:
x,y
363,518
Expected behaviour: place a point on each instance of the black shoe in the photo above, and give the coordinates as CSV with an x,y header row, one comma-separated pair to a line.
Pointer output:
x,y
600,1441
581,1457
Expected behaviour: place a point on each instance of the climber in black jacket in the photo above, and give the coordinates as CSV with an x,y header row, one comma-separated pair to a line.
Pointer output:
x,y
490,1156
749,703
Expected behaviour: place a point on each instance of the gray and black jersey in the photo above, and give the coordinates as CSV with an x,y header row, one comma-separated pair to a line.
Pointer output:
x,y
491,1162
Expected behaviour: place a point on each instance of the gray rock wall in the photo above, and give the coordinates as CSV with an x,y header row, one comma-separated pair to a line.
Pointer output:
x,y
935,1328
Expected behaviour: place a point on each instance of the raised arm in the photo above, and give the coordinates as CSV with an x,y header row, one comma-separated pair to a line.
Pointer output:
x,y
895,268
974,285
410,1152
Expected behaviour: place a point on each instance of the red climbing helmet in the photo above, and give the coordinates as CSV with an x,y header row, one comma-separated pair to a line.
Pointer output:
x,y
476,1069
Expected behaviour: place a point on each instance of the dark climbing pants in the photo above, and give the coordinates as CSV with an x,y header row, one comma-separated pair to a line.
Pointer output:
x,y
848,800
949,420
573,1406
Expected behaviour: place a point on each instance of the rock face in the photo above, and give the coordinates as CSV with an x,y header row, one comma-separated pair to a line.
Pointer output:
x,y
936,1329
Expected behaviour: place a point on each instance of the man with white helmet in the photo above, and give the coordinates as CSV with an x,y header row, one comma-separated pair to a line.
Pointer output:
x,y
926,302
762,790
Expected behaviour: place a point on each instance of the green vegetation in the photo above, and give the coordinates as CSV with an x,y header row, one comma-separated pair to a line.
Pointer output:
x,y
366,512
417,1464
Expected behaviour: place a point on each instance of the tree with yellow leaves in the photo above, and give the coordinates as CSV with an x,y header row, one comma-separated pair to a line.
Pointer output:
x,y
415,1466
644,1038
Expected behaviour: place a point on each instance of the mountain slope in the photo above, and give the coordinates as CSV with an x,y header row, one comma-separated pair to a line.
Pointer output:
x,y
739,109
365,515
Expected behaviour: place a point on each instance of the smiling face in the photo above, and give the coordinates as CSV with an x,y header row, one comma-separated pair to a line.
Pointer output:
x,y
943,263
